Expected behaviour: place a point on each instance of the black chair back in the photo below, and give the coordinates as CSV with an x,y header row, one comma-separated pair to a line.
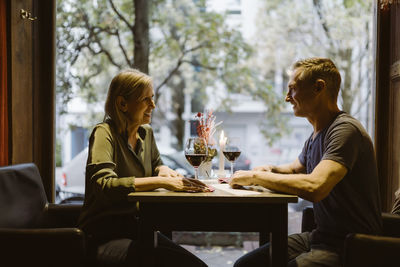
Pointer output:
x,y
22,196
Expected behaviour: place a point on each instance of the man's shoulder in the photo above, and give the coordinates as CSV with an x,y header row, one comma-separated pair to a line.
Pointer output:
x,y
346,120
348,125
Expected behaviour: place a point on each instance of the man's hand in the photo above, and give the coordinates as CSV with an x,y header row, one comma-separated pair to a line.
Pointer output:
x,y
289,168
242,178
165,171
264,168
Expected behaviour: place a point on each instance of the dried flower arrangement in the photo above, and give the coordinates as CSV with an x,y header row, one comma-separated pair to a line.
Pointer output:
x,y
206,128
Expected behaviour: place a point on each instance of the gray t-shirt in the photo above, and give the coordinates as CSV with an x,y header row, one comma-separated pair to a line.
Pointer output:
x,y
353,205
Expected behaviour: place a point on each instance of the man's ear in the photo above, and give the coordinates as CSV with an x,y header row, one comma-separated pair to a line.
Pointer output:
x,y
121,103
320,85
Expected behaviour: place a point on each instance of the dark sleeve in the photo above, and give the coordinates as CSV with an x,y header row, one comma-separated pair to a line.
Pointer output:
x,y
343,144
155,154
100,168
303,155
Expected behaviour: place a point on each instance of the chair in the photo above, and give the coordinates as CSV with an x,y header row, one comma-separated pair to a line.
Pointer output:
x,y
34,232
367,250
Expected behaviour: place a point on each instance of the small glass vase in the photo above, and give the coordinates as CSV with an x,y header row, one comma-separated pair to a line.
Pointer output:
x,y
205,170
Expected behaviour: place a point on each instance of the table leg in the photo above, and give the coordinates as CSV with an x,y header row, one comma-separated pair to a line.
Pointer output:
x,y
147,239
278,249
263,238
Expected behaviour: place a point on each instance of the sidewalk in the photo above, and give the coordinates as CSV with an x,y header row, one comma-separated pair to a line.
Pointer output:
x,y
225,256
217,256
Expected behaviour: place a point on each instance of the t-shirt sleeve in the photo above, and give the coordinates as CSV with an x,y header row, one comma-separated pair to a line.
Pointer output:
x,y
342,144
100,167
303,155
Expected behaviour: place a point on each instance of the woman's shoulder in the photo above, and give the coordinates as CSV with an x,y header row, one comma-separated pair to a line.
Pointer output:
x,y
103,128
103,125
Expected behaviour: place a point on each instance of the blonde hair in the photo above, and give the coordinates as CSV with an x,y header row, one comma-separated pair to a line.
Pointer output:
x,y
128,83
320,68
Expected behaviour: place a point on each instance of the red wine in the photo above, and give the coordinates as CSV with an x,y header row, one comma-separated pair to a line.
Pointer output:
x,y
195,159
231,155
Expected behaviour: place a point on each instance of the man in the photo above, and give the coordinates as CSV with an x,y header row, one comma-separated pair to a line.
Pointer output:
x,y
336,170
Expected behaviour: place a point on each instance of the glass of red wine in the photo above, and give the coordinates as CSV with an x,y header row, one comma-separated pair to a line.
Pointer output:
x,y
196,152
232,151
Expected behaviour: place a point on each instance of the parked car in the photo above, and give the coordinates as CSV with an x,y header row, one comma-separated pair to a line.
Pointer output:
x,y
177,161
70,184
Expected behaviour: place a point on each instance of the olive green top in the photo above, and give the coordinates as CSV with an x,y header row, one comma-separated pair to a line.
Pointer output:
x,y
111,168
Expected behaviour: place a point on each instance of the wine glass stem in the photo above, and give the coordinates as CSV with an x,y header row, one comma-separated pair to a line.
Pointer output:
x,y
231,169
196,172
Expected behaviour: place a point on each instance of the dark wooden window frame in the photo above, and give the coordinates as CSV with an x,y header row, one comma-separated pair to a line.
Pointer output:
x,y
38,135
387,115
31,52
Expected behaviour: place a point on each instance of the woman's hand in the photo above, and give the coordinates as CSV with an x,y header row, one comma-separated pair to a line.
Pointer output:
x,y
165,171
184,185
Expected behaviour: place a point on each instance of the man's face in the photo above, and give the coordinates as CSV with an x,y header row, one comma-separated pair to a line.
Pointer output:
x,y
300,94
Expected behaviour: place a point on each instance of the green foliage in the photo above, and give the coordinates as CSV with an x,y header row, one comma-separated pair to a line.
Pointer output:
x,y
339,29
187,42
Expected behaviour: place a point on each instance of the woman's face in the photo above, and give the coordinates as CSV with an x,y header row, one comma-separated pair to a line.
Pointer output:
x,y
139,109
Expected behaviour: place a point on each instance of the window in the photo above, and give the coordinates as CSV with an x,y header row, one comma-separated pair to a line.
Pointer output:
x,y
202,56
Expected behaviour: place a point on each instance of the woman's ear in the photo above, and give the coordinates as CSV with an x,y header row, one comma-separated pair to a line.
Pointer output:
x,y
121,103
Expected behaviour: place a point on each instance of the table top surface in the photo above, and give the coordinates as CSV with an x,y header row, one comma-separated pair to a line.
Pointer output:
x,y
222,194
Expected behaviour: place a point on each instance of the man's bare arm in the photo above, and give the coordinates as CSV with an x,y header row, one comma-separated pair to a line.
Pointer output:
x,y
289,168
313,187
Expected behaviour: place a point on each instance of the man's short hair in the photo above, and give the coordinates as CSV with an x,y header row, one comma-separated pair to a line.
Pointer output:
x,y
320,68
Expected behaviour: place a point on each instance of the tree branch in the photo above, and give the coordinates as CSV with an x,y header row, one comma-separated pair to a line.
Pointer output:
x,y
96,39
129,62
130,26
184,52
362,103
317,6
78,49
116,34
105,51
197,64
157,91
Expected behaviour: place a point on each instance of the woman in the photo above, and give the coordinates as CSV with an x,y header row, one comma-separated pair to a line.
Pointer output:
x,y
123,158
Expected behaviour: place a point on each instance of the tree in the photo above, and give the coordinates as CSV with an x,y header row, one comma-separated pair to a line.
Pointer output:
x,y
190,49
338,29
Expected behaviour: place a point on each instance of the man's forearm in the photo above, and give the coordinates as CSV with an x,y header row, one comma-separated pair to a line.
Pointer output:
x,y
283,168
296,184
289,168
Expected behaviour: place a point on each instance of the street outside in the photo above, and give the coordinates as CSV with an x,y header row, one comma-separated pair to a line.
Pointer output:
x,y
225,256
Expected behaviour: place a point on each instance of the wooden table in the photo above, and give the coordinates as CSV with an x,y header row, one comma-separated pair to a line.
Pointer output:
x,y
223,210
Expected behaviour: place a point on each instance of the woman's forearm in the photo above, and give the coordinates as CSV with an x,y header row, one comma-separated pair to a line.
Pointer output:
x,y
148,183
